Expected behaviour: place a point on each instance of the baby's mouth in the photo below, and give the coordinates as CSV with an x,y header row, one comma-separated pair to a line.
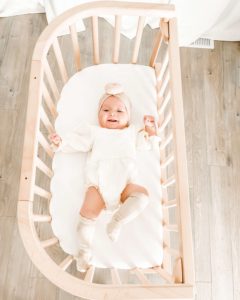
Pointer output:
x,y
112,120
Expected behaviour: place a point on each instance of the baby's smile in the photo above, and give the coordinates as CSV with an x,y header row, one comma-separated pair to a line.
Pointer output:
x,y
112,120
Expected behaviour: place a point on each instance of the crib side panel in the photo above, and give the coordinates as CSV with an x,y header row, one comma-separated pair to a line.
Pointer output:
x,y
173,154
180,152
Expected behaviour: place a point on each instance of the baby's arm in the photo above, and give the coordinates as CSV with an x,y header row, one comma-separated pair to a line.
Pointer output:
x,y
80,139
150,126
148,136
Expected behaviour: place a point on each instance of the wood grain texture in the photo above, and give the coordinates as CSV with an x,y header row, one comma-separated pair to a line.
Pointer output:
x,y
195,109
211,93
211,90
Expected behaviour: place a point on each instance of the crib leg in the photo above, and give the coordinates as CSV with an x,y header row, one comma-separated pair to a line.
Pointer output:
x,y
177,271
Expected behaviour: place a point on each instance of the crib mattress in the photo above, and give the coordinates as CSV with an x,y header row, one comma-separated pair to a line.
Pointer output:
x,y
140,242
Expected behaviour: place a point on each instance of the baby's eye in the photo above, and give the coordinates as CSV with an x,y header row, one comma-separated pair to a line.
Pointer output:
x,y
105,110
120,111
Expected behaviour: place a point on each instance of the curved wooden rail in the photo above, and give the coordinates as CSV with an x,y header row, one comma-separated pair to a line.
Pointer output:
x,y
33,137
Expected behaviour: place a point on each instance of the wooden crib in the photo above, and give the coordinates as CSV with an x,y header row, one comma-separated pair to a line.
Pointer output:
x,y
174,279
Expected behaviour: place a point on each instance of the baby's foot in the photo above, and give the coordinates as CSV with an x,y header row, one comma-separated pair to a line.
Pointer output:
x,y
83,261
113,230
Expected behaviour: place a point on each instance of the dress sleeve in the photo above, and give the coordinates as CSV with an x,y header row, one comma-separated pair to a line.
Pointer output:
x,y
146,142
154,141
80,139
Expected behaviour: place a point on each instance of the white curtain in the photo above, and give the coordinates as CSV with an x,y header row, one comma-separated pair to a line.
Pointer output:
x,y
215,19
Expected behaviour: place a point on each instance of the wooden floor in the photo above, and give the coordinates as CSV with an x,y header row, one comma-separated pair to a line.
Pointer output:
x,y
211,90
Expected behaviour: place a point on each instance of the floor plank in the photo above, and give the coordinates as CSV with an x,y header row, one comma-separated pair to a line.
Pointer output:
x,y
195,107
204,291
220,232
211,90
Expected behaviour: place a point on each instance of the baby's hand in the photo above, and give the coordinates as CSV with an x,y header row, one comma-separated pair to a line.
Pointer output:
x,y
150,125
55,138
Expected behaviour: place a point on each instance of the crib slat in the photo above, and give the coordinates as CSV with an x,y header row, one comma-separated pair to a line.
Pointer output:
x,y
166,183
163,67
147,271
141,23
60,61
66,262
167,161
49,101
157,45
165,274
167,140
165,122
96,58
170,203
42,193
44,168
89,275
163,104
171,227
173,252
43,142
164,25
177,271
75,44
46,120
115,276
164,84
140,275
42,218
166,234
116,39
167,258
49,242
51,80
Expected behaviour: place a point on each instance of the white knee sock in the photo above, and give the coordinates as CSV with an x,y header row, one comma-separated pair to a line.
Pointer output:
x,y
85,233
128,211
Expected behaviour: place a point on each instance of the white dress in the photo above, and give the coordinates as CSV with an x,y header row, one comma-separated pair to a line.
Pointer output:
x,y
111,162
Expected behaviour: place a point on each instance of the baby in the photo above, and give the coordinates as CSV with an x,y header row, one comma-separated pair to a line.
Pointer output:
x,y
111,172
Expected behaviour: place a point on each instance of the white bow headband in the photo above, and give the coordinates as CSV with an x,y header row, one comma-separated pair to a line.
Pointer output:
x,y
115,89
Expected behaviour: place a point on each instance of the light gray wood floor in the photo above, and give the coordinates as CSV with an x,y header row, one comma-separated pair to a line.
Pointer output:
x,y
211,90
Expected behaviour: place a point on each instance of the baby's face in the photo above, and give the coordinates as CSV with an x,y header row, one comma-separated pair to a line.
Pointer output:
x,y
113,114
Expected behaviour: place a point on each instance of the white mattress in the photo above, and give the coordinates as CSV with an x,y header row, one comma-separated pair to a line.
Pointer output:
x,y
140,242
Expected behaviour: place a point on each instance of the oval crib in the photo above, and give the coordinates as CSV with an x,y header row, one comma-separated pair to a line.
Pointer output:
x,y
174,279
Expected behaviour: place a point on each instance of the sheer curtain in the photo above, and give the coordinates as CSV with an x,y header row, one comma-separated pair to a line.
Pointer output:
x,y
215,19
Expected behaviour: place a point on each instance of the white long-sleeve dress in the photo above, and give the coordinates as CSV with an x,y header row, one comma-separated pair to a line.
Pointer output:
x,y
111,163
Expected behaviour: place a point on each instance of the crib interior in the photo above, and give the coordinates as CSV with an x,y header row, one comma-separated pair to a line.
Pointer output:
x,y
55,60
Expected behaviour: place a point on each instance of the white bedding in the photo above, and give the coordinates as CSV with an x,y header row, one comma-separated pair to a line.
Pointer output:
x,y
140,242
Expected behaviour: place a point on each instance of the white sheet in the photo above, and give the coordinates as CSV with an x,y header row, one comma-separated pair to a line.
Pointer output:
x,y
140,243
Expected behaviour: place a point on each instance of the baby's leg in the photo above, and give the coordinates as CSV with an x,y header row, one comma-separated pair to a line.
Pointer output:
x,y
93,204
135,199
132,188
91,208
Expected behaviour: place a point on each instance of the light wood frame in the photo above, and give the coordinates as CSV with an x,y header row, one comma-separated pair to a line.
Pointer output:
x,y
177,269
